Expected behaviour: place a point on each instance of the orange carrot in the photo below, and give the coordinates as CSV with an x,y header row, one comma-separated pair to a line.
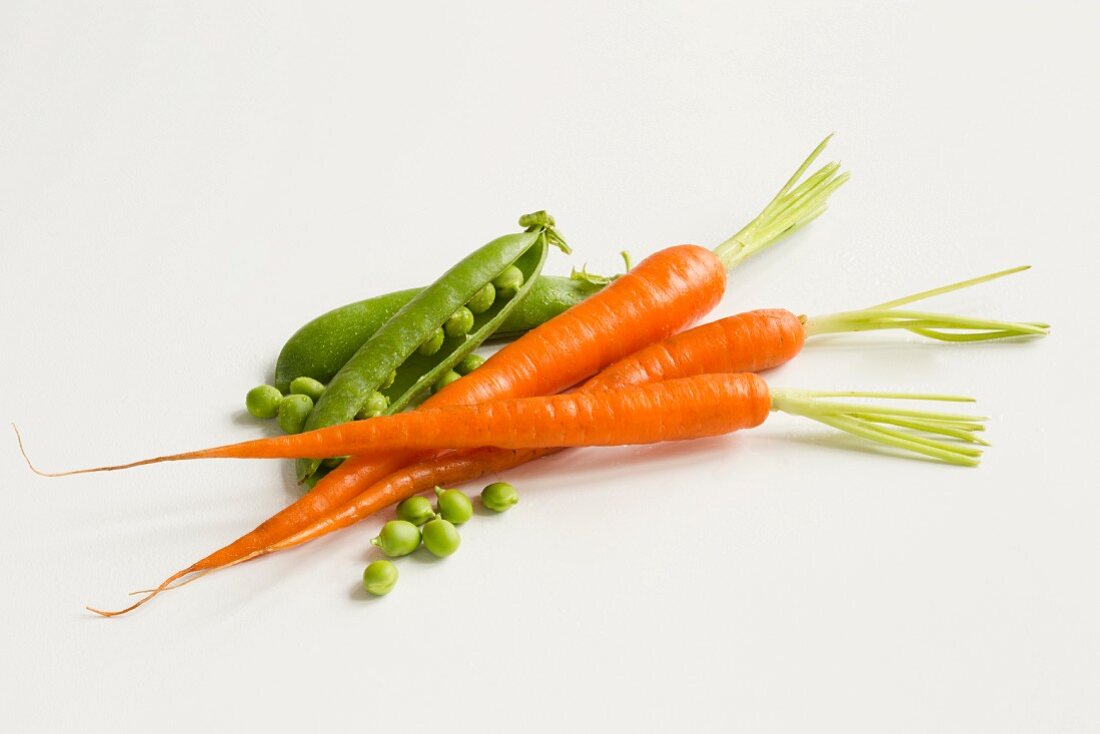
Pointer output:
x,y
747,342
668,410
752,341
667,291
663,294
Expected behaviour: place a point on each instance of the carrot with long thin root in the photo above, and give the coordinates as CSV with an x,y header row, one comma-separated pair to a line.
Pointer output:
x,y
670,410
679,409
746,342
665,293
752,341
947,437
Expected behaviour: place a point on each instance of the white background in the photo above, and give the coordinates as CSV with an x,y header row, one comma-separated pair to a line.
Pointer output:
x,y
182,185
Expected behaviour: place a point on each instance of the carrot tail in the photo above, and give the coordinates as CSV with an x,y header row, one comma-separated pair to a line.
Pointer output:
x,y
301,444
210,453
166,585
194,577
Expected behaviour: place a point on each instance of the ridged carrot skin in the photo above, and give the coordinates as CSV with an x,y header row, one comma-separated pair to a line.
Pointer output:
x,y
574,419
748,342
666,292
674,409
669,410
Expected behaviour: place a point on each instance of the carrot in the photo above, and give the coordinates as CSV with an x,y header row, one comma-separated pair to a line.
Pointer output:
x,y
663,294
667,290
668,410
918,432
465,422
747,342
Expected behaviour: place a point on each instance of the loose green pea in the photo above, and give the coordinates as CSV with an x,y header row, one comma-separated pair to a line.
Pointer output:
x,y
262,401
434,343
375,406
499,496
307,386
293,411
417,510
459,323
398,538
441,538
508,282
469,363
483,300
380,577
454,506
445,380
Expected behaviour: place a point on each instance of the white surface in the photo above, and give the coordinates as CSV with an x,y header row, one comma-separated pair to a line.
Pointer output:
x,y
181,185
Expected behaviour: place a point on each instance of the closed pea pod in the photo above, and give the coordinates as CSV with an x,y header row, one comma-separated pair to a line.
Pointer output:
x,y
321,347
394,345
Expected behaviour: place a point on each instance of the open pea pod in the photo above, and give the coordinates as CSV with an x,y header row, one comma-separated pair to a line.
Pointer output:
x,y
397,340
419,372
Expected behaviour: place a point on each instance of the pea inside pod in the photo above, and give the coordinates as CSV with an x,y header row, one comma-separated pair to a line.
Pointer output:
x,y
396,344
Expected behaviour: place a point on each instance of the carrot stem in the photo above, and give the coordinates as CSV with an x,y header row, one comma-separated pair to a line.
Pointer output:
x,y
792,208
916,431
924,295
940,326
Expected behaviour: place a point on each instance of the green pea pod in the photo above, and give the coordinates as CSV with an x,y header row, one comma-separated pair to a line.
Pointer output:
x,y
397,340
320,348
419,373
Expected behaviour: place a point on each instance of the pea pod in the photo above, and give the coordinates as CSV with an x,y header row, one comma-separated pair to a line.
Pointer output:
x,y
394,345
321,347
419,373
